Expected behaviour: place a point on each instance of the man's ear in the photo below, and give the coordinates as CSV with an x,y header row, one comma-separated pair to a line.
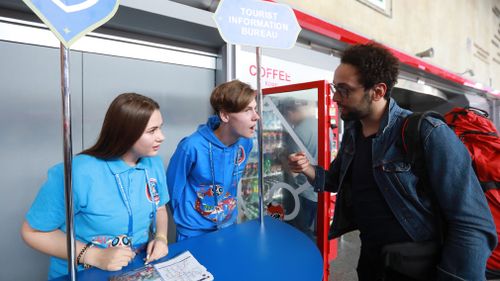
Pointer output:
x,y
379,91
224,116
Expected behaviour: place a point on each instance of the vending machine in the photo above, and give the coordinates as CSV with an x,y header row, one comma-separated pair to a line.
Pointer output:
x,y
298,118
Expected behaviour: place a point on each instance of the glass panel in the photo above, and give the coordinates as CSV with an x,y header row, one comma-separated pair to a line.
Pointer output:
x,y
290,122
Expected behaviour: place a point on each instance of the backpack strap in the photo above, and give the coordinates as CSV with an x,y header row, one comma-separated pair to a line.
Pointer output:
x,y
478,111
412,143
414,154
489,185
464,111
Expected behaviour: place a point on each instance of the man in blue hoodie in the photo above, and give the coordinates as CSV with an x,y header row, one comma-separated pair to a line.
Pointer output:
x,y
204,172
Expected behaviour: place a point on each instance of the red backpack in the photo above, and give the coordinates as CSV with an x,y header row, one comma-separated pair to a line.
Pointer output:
x,y
481,138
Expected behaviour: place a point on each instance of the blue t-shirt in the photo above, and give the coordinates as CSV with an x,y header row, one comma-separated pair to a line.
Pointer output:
x,y
100,213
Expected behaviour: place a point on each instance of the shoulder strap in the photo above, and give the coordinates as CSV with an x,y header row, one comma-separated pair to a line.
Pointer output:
x,y
414,153
412,142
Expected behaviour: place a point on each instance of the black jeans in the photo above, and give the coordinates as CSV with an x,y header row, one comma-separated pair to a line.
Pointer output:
x,y
370,264
396,276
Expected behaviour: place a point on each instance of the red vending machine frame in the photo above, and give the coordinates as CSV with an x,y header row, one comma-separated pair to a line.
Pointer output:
x,y
327,134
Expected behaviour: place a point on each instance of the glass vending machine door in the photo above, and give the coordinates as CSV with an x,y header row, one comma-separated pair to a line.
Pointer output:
x,y
290,125
295,118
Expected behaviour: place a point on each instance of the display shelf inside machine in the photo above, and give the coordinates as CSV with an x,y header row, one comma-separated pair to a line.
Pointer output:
x,y
278,137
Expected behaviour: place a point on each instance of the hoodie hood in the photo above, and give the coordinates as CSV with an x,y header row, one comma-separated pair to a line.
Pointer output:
x,y
207,131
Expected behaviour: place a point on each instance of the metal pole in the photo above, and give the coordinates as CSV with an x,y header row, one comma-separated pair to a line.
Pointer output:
x,y
68,157
259,139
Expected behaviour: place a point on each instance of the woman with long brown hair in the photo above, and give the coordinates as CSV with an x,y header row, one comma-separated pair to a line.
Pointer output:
x,y
119,191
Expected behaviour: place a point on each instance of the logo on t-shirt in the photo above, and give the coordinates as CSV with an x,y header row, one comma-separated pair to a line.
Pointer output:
x,y
153,193
241,155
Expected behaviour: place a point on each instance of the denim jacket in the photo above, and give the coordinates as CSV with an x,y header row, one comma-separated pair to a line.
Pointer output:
x,y
469,229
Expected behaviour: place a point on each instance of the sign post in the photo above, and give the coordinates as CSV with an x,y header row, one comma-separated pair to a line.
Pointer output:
x,y
259,24
70,20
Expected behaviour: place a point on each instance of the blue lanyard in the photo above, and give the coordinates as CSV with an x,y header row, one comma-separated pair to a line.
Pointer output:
x,y
214,187
153,204
126,202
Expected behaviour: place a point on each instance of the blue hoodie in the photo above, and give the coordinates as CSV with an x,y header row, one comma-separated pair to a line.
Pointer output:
x,y
200,162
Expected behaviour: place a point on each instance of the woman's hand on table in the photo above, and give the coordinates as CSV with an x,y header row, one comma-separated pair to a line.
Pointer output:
x,y
157,249
110,259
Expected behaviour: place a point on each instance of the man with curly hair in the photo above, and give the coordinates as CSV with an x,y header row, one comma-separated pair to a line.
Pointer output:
x,y
377,188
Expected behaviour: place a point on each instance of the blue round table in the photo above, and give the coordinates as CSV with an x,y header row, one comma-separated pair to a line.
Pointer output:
x,y
245,252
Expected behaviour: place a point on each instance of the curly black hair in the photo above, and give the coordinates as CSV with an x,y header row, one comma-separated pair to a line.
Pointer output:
x,y
374,63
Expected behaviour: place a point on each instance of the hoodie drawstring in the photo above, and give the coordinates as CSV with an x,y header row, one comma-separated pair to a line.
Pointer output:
x,y
214,187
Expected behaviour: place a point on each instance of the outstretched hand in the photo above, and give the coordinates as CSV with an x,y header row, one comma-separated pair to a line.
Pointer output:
x,y
298,162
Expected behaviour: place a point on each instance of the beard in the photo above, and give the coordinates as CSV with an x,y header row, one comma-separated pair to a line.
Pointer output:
x,y
356,113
